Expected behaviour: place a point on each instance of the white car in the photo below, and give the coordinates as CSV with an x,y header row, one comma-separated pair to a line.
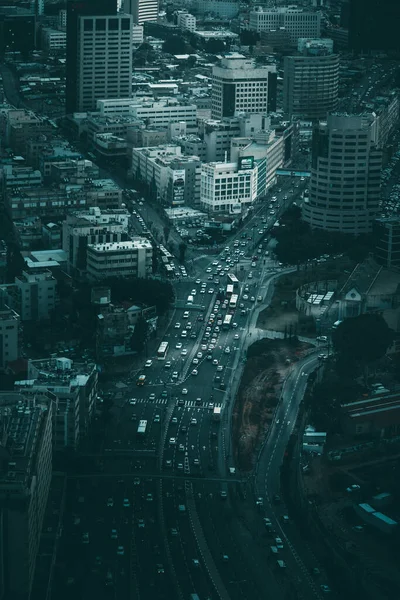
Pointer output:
x,y
236,336
184,351
227,350
172,441
148,363
184,391
220,368
215,362
193,421
175,375
195,361
198,281
195,372
199,355
177,325
178,345
193,292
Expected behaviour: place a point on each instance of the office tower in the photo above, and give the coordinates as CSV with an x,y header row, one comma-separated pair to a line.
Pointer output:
x,y
17,30
75,9
299,23
223,9
374,25
311,81
238,86
25,475
345,175
387,246
142,10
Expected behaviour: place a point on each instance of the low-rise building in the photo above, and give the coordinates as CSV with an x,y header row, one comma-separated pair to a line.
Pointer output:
x,y
20,176
10,333
186,21
173,178
374,417
35,294
229,187
109,147
25,475
53,40
21,125
132,258
164,112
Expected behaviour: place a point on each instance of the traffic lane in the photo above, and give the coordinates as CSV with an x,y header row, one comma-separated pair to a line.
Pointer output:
x,y
183,545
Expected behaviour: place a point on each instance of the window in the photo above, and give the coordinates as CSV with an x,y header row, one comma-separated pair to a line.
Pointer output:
x,y
88,25
100,24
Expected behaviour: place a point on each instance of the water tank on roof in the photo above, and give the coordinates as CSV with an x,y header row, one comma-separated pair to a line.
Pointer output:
x,y
64,364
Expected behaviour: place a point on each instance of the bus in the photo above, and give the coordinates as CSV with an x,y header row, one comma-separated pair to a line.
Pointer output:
x,y
233,301
141,430
190,300
162,351
227,321
229,290
169,270
233,280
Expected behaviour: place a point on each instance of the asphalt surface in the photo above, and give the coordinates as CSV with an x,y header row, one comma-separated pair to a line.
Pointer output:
x,y
188,525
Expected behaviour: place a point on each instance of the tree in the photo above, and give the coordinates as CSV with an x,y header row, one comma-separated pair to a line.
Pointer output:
x,y
215,46
182,252
191,61
175,44
363,339
249,38
140,334
167,231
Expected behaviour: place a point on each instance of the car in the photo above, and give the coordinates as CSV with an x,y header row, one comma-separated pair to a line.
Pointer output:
x,y
198,402
196,462
126,503
152,396
160,569
133,417
175,375
141,523
215,362
220,368
195,562
188,326
114,534
174,532
168,364
174,420
195,361
236,336
278,543
164,394
149,497
168,463
322,338
325,589
253,264
358,528
183,428
132,401
184,334
184,391
315,571
85,538
178,345
252,299
250,275
245,297
136,481
211,291
181,448
234,325
172,441
259,298
195,372
259,501
193,421
148,363
227,350
184,352
180,467
198,281
285,519
199,355
177,325
204,347
208,270
110,502
157,419
353,488
120,551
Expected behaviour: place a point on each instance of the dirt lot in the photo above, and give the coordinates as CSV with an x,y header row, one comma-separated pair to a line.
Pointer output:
x,y
259,392
282,314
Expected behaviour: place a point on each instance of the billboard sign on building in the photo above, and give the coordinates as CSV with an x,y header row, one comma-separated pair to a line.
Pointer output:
x,y
235,208
245,163
178,186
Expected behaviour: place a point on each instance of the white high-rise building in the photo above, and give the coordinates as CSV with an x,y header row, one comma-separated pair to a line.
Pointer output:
x,y
104,59
239,86
345,175
186,21
297,22
142,10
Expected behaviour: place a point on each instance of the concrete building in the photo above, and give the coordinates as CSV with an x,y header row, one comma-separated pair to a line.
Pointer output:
x,y
297,22
25,475
20,176
142,11
174,179
228,188
164,112
132,258
62,18
186,21
17,29
345,175
109,148
91,227
137,35
74,387
311,82
22,125
224,9
37,295
387,248
239,86
9,334
53,40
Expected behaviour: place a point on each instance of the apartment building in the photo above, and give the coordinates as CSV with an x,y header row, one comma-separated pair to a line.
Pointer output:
x,y
164,112
297,22
311,81
142,11
173,177
25,475
9,333
36,294
228,188
132,258
186,21
238,86
53,40
345,175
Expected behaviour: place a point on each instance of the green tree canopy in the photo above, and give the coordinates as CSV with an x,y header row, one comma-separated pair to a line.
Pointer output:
x,y
175,44
364,339
140,334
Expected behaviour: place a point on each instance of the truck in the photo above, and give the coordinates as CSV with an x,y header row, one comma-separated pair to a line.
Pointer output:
x,y
376,519
216,413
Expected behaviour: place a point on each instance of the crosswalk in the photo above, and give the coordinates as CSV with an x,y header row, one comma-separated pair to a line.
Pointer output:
x,y
188,403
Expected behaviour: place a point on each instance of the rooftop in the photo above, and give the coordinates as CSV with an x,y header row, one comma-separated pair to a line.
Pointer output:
x,y
129,245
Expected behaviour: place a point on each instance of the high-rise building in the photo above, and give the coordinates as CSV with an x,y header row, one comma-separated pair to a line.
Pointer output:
x,y
25,475
374,25
345,175
17,29
387,247
238,86
299,23
9,333
142,10
311,81
103,39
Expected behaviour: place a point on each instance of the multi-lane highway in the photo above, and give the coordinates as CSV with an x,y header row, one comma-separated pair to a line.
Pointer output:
x,y
174,518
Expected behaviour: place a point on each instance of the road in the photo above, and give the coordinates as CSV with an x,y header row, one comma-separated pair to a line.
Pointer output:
x,y
195,528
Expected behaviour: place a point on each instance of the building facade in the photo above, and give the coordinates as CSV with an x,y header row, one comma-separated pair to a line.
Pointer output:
x,y
164,112
311,83
239,86
133,258
299,23
9,334
25,476
224,9
228,188
186,21
345,175
142,10
387,248
37,296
